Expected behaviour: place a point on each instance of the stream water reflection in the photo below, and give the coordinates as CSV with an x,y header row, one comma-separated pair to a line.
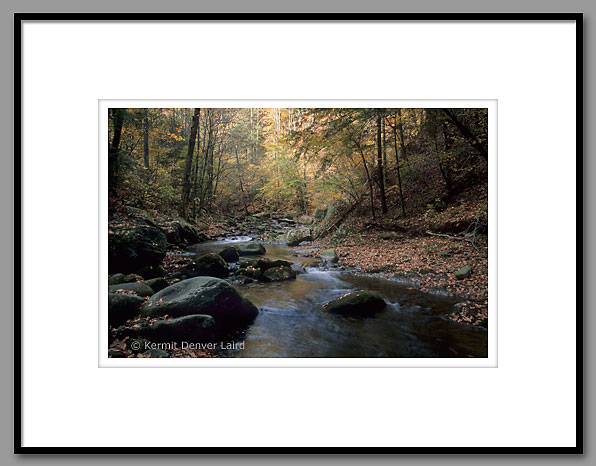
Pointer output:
x,y
291,323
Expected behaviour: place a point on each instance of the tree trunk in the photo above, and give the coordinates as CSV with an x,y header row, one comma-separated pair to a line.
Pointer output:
x,y
385,164
445,170
240,179
402,141
466,132
401,195
195,170
188,164
146,144
370,183
380,162
114,147
205,188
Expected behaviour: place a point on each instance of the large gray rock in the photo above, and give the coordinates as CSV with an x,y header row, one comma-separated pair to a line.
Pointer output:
x,y
157,284
306,220
277,274
122,307
119,278
192,328
203,295
207,265
133,247
464,272
132,278
140,215
263,264
179,231
297,236
356,304
140,289
116,279
257,269
251,249
329,255
229,254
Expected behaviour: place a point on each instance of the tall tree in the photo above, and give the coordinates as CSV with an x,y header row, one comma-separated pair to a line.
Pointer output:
x,y
117,116
240,179
397,168
146,142
380,119
402,141
188,163
369,179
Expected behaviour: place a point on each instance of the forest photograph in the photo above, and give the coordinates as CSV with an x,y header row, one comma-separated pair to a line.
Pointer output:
x,y
297,232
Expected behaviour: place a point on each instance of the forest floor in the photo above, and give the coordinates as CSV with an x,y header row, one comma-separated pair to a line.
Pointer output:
x,y
427,263
419,256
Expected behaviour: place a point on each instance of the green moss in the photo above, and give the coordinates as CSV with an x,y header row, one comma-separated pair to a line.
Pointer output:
x,y
208,265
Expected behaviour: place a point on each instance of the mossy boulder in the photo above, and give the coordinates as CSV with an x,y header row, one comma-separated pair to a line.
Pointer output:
x,y
116,279
133,247
207,265
259,269
178,231
297,236
250,272
191,328
242,279
132,278
140,215
119,278
277,274
329,255
263,264
122,307
157,284
140,289
229,254
251,249
203,295
356,304
464,272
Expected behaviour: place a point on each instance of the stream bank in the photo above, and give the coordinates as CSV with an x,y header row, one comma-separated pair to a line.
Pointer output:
x,y
416,322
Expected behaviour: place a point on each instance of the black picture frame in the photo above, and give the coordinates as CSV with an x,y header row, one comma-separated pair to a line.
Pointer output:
x,y
277,17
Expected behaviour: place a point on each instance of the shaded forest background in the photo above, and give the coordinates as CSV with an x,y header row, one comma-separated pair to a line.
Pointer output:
x,y
399,192
404,165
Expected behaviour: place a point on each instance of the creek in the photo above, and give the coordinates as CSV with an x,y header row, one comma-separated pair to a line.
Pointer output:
x,y
292,324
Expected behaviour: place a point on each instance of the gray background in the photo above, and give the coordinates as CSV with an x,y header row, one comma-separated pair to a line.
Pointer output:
x,y
588,7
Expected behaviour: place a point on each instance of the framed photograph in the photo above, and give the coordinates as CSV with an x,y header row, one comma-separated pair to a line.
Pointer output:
x,y
267,217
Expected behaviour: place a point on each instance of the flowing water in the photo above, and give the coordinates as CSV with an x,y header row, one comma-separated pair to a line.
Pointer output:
x,y
291,323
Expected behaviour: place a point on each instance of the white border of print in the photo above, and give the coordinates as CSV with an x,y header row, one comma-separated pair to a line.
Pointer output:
x,y
528,401
490,361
